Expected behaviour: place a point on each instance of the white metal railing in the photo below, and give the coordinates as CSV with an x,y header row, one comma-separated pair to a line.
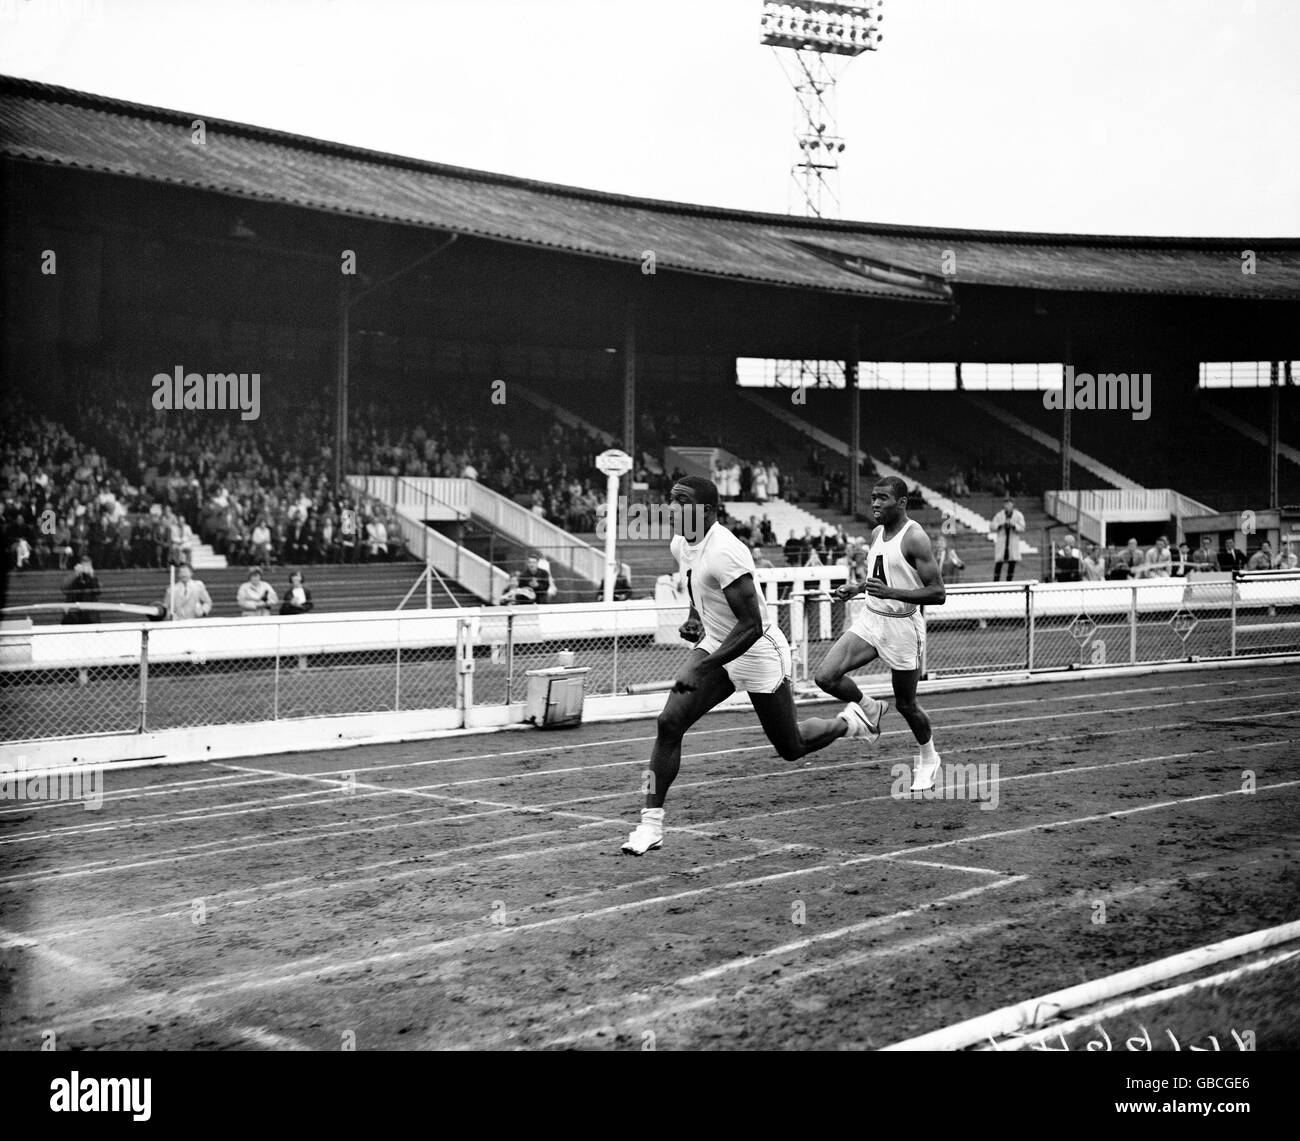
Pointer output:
x,y
471,498
1091,511
1059,505
209,640
411,505
133,678
474,573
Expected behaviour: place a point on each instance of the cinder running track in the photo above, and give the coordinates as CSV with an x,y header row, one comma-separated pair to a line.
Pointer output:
x,y
470,893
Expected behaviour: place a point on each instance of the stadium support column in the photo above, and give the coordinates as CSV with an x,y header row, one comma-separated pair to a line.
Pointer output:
x,y
1065,414
855,417
341,395
1065,450
1274,499
629,384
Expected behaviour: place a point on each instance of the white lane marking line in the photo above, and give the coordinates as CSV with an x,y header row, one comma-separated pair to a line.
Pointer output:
x,y
215,903
303,799
298,971
790,948
751,990
951,867
103,977
195,851
169,788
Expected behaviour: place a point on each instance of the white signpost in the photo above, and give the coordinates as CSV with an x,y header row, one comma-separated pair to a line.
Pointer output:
x,y
614,464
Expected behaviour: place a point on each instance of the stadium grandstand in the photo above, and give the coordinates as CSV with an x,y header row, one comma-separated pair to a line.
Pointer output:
x,y
311,457
502,333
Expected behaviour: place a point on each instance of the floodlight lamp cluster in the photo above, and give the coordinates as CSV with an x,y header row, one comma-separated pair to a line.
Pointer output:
x,y
837,29
818,139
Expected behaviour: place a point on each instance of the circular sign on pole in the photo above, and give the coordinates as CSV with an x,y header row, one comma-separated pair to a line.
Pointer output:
x,y
613,462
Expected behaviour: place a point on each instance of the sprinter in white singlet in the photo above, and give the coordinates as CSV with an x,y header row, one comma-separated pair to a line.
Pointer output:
x,y
902,577
737,647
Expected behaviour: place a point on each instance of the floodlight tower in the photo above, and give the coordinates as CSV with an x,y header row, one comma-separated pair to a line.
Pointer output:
x,y
821,37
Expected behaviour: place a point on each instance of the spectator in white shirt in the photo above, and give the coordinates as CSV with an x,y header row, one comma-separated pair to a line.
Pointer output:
x,y
1158,560
261,542
187,597
1093,568
256,597
377,538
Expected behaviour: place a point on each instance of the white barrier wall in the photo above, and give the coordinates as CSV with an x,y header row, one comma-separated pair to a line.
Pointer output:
x,y
213,639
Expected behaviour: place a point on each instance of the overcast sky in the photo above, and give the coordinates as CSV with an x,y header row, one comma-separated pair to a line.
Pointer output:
x,y
1110,116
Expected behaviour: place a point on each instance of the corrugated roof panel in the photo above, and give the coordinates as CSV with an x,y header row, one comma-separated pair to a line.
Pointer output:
x,y
51,125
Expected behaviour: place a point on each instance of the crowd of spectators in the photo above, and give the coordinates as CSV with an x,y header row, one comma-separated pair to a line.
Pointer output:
x,y
981,477
1090,562
139,488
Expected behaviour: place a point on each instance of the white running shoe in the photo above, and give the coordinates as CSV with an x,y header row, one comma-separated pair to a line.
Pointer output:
x,y
643,839
860,722
871,706
924,772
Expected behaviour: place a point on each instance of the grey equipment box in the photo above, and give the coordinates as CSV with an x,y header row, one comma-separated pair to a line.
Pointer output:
x,y
555,696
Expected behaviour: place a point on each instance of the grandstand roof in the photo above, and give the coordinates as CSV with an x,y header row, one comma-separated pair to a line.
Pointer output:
x,y
56,126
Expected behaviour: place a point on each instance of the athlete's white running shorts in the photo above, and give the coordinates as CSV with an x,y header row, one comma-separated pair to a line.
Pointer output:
x,y
763,667
900,642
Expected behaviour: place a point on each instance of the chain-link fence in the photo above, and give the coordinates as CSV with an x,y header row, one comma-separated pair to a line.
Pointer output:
x,y
83,680
73,681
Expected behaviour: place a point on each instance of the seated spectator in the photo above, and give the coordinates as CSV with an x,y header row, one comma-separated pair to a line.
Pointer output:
x,y
761,561
297,598
1093,567
516,594
622,585
796,551
376,539
22,552
81,586
950,563
1157,560
187,597
1231,559
1205,558
255,597
1262,559
1180,561
260,543
1129,562
536,579
1287,559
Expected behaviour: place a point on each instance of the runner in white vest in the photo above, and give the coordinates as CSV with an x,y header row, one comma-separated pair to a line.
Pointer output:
x,y
902,577
739,647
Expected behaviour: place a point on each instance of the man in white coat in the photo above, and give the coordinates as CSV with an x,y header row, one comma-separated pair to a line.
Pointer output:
x,y
1008,526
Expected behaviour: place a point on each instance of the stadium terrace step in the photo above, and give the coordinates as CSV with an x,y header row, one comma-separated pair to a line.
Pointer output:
x,y
1103,472
202,557
785,517
369,586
